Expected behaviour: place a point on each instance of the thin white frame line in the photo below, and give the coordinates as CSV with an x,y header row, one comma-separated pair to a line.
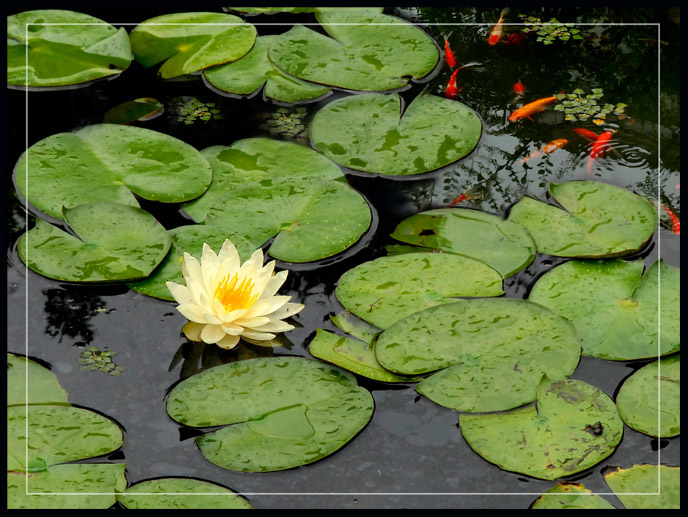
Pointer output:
x,y
338,493
26,323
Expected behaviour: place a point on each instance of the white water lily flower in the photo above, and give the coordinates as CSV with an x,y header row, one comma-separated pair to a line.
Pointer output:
x,y
225,300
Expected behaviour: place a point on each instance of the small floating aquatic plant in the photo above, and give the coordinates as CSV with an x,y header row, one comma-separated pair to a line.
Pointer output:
x,y
190,110
286,123
94,359
549,31
578,106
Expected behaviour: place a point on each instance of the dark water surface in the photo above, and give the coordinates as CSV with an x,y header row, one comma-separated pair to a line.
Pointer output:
x,y
412,454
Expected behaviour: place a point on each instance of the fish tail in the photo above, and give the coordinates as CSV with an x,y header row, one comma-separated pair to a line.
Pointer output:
x,y
590,160
504,12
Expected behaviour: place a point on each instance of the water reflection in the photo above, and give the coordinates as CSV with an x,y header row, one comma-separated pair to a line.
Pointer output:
x,y
69,314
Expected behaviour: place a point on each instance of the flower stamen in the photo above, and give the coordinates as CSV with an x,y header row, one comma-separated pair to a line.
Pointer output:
x,y
234,297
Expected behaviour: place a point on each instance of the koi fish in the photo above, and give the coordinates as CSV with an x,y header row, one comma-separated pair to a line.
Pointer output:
x,y
529,109
464,197
515,38
496,33
452,89
448,54
550,147
586,133
519,88
599,147
675,223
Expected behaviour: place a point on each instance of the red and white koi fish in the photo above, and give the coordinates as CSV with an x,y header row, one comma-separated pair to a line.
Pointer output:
x,y
531,108
599,147
497,30
586,133
675,223
550,147
448,54
452,89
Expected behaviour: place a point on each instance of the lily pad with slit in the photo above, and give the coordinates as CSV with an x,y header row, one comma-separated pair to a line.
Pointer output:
x,y
191,42
277,413
491,353
264,187
646,487
249,73
571,427
384,290
190,239
649,401
620,313
74,486
180,494
114,243
368,132
109,163
365,51
597,220
503,245
57,434
57,48
42,387
570,496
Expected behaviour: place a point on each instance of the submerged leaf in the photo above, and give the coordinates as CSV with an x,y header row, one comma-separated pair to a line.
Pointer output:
x,y
159,494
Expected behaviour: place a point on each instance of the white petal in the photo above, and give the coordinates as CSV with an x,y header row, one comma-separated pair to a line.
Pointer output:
x,y
209,265
232,329
262,278
192,331
288,310
258,336
179,292
231,315
228,342
192,312
211,318
252,322
274,326
266,307
229,256
191,269
274,284
212,333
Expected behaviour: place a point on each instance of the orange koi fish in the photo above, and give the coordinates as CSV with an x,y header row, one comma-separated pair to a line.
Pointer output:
x,y
463,197
550,147
675,223
587,134
599,147
515,38
529,109
452,89
448,54
519,88
496,33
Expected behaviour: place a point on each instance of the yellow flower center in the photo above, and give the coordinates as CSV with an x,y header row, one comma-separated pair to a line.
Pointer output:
x,y
235,297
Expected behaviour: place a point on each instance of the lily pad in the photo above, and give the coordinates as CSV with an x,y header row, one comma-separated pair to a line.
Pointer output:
x,y
109,163
57,434
355,327
384,290
264,188
572,427
368,133
598,220
280,412
137,110
616,311
115,243
63,48
649,401
367,51
142,496
353,355
570,496
492,353
645,479
75,486
190,42
189,239
42,388
249,73
502,245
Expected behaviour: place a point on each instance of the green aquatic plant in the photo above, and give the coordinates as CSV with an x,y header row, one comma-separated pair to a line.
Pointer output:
x,y
96,360
189,110
548,32
578,106
286,123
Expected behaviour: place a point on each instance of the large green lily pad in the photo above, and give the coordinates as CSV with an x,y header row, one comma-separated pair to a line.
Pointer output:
x,y
503,245
190,42
280,412
143,496
572,427
42,388
367,51
57,434
190,239
263,187
53,47
649,401
597,220
246,75
115,243
570,496
74,486
616,312
368,133
109,163
662,480
492,353
384,290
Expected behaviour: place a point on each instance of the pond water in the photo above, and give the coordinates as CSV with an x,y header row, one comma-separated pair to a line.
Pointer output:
x,y
411,454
